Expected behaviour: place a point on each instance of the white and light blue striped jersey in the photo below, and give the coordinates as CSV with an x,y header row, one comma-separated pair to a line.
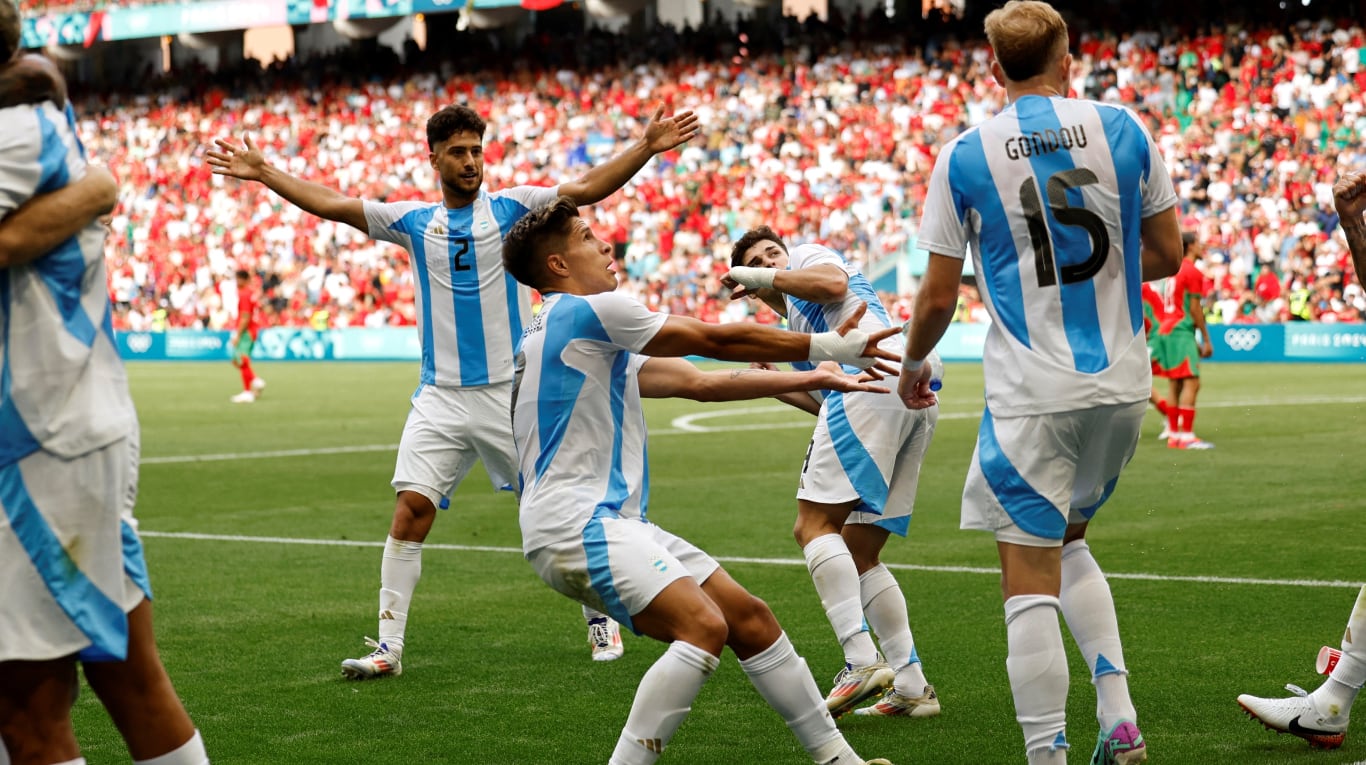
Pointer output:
x,y
576,414
811,317
62,386
1050,194
470,311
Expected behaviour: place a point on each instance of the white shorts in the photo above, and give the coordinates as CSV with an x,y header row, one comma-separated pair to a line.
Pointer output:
x,y
620,565
1033,476
70,558
447,430
868,446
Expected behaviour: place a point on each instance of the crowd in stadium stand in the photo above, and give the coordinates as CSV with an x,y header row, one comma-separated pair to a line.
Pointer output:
x,y
835,148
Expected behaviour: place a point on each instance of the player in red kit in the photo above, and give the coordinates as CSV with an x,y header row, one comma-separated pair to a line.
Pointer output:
x,y
243,338
1152,318
1179,350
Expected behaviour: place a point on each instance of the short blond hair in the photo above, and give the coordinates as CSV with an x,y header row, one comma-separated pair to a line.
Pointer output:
x,y
1026,36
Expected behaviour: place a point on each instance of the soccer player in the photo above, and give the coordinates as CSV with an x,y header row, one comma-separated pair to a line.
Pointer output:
x,y
1179,348
470,314
858,481
584,363
1152,317
244,338
75,580
1321,717
1068,208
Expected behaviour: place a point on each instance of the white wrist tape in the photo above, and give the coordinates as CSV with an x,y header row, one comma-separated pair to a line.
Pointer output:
x,y
845,349
753,278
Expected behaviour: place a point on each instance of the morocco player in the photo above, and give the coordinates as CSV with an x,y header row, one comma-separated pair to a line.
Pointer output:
x,y
244,338
1179,350
1152,318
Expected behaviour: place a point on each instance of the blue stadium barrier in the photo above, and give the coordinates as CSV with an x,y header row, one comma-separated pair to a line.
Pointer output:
x,y
962,342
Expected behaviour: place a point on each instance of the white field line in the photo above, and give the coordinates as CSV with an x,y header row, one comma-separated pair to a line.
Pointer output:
x,y
690,423
758,561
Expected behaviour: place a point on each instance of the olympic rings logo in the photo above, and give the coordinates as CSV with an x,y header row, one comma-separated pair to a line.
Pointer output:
x,y
139,342
1243,339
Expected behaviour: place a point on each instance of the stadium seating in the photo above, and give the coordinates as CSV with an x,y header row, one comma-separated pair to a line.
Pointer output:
x,y
1254,125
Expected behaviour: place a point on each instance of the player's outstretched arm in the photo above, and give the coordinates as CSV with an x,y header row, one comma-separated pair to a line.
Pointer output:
x,y
685,336
1349,197
1162,250
823,283
247,163
41,224
661,134
677,378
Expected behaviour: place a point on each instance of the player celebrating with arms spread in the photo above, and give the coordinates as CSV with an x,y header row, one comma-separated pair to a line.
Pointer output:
x,y
470,312
1067,207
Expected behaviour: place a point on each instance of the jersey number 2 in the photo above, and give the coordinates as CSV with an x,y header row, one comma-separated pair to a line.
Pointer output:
x,y
460,253
1044,263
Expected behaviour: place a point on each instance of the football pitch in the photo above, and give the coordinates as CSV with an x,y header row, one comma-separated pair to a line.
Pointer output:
x,y
264,523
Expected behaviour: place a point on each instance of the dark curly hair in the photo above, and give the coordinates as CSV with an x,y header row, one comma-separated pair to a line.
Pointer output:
x,y
449,121
751,238
540,232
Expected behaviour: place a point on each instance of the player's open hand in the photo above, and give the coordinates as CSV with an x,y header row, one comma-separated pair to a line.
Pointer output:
x,y
1349,196
870,350
245,161
662,133
831,376
914,388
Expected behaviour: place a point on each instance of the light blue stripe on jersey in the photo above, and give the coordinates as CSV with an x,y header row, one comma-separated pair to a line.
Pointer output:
x,y
560,384
1071,244
414,225
62,271
506,212
53,174
16,440
1129,148
466,300
1029,510
968,172
864,291
600,569
858,464
617,490
101,619
515,321
76,134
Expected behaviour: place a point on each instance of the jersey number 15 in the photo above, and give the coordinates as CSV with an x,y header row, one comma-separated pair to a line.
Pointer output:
x,y
1044,263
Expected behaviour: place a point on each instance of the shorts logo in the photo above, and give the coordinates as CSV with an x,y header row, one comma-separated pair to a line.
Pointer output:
x,y
659,564
1243,339
139,342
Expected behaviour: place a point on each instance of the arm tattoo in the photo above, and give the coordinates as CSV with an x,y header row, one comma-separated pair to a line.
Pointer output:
x,y
735,373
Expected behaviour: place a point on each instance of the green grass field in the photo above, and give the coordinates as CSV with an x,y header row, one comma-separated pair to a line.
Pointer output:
x,y
1230,568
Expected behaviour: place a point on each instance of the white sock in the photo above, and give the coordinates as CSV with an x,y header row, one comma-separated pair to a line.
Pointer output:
x,y
589,614
884,606
663,700
398,574
836,579
1336,696
785,682
1089,610
189,753
77,761
1037,665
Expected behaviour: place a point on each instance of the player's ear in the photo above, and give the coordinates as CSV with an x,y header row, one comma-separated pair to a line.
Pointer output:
x,y
557,265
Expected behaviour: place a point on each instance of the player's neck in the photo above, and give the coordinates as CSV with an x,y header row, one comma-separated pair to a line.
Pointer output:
x,y
454,200
1042,85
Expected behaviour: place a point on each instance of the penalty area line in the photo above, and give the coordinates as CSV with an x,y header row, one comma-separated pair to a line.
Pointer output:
x,y
794,562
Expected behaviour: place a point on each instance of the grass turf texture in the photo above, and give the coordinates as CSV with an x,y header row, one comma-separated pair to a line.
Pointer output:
x,y
497,668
